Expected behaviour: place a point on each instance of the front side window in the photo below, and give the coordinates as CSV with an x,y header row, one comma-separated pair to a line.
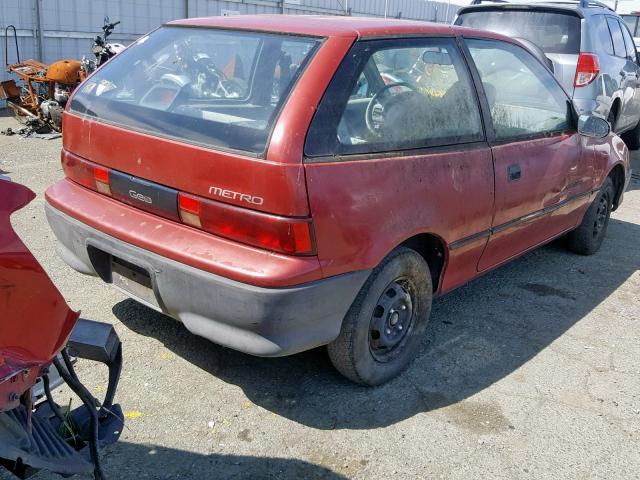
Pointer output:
x,y
219,88
524,98
616,34
391,95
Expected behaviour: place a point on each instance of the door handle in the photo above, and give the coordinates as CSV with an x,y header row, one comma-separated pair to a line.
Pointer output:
x,y
514,172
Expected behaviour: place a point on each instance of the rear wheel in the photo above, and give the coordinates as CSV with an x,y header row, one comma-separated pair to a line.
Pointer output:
x,y
587,238
381,333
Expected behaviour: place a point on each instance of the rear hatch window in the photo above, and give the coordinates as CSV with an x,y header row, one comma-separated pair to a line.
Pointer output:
x,y
553,32
217,88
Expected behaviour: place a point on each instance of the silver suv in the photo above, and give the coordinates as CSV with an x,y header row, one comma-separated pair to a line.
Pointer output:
x,y
587,46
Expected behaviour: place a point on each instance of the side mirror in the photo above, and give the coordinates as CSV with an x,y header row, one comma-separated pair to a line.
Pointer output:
x,y
592,126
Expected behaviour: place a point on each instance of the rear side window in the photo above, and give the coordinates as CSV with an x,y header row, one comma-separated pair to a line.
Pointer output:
x,y
628,43
553,32
391,95
631,22
524,97
601,33
619,49
214,87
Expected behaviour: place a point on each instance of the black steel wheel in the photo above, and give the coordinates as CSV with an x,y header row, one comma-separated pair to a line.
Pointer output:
x,y
382,332
392,319
588,237
603,210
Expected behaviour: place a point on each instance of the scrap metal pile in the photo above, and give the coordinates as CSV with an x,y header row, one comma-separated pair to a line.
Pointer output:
x,y
44,89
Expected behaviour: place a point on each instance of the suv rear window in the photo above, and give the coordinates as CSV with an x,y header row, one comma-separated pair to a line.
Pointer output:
x,y
553,32
219,88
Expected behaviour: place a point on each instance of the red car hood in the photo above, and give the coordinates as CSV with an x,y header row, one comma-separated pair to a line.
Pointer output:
x,y
35,321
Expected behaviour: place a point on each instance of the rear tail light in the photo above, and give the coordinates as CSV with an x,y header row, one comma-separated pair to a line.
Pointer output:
x,y
101,177
293,236
86,173
271,232
587,70
189,208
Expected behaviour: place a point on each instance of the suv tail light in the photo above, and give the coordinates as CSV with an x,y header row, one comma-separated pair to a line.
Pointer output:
x,y
587,70
271,232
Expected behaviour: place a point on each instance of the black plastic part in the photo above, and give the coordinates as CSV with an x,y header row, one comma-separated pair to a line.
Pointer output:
x,y
38,447
90,404
99,342
143,194
24,451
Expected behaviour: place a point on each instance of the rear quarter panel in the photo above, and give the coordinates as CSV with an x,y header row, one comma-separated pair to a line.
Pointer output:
x,y
362,209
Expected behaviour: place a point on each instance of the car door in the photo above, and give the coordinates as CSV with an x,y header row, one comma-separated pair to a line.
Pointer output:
x,y
413,163
539,173
624,74
632,75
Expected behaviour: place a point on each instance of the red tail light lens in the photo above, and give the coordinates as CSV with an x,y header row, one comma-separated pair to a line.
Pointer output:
x,y
189,208
101,177
86,173
271,232
587,70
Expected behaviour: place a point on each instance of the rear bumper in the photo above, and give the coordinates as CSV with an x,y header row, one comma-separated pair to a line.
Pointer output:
x,y
252,319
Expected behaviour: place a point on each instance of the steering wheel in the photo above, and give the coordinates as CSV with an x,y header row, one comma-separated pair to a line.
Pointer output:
x,y
374,125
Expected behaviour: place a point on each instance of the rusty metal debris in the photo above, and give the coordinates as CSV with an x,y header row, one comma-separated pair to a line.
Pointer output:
x,y
45,89
33,128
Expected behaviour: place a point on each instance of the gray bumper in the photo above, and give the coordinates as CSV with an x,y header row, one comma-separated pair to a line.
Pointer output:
x,y
255,320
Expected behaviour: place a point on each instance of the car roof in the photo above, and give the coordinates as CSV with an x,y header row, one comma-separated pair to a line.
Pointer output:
x,y
573,7
324,26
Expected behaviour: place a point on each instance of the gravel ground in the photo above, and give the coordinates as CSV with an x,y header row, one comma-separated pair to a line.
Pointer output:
x,y
531,371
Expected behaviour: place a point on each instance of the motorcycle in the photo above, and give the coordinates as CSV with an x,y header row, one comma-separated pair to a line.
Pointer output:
x,y
101,49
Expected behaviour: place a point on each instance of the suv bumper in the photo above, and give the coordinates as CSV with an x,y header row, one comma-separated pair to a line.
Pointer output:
x,y
256,320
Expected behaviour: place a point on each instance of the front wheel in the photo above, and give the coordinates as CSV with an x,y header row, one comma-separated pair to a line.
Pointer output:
x,y
382,330
632,138
587,238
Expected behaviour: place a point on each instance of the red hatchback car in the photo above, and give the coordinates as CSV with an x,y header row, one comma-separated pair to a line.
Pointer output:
x,y
280,183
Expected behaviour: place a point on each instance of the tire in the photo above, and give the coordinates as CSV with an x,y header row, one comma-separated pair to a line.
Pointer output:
x,y
632,138
383,329
612,117
587,238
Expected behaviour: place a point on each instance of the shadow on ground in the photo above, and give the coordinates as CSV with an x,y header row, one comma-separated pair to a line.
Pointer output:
x,y
478,334
127,460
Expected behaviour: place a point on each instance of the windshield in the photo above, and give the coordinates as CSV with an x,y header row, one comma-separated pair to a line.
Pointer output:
x,y
219,88
552,32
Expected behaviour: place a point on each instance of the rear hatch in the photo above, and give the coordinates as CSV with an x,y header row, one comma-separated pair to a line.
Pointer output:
x,y
178,125
556,31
